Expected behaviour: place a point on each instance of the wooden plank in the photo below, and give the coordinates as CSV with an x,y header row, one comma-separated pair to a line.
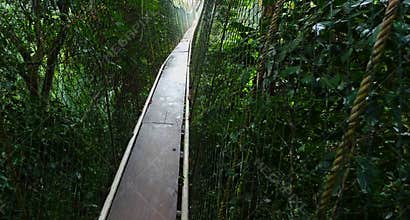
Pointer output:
x,y
127,153
149,184
148,189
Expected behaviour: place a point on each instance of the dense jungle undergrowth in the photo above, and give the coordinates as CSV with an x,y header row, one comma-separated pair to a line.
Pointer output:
x,y
274,83
73,78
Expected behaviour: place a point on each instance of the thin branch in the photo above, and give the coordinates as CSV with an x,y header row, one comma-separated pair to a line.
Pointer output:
x,y
52,60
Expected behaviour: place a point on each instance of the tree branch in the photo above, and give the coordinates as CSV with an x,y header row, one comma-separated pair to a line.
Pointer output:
x,y
55,51
51,62
39,55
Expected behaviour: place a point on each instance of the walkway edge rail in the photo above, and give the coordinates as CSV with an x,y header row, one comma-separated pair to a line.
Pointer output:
x,y
185,172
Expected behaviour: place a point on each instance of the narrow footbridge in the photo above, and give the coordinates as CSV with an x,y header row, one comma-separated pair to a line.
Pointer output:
x,y
146,185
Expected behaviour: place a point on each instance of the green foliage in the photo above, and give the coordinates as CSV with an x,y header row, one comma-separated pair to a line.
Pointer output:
x,y
264,155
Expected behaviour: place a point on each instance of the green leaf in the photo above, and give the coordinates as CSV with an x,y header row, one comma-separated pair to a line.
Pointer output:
x,y
290,71
367,174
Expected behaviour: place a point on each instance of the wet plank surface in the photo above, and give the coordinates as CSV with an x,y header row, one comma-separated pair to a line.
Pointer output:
x,y
149,185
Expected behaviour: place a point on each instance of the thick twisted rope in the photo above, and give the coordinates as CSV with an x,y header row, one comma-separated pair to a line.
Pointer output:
x,y
273,29
358,106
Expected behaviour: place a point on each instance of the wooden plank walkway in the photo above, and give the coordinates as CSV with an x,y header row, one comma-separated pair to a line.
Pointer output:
x,y
146,184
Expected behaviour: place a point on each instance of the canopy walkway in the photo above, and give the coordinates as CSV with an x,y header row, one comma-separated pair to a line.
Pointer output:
x,y
204,109
146,183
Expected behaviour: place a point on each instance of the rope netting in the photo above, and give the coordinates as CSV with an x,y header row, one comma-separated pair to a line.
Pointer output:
x,y
273,85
